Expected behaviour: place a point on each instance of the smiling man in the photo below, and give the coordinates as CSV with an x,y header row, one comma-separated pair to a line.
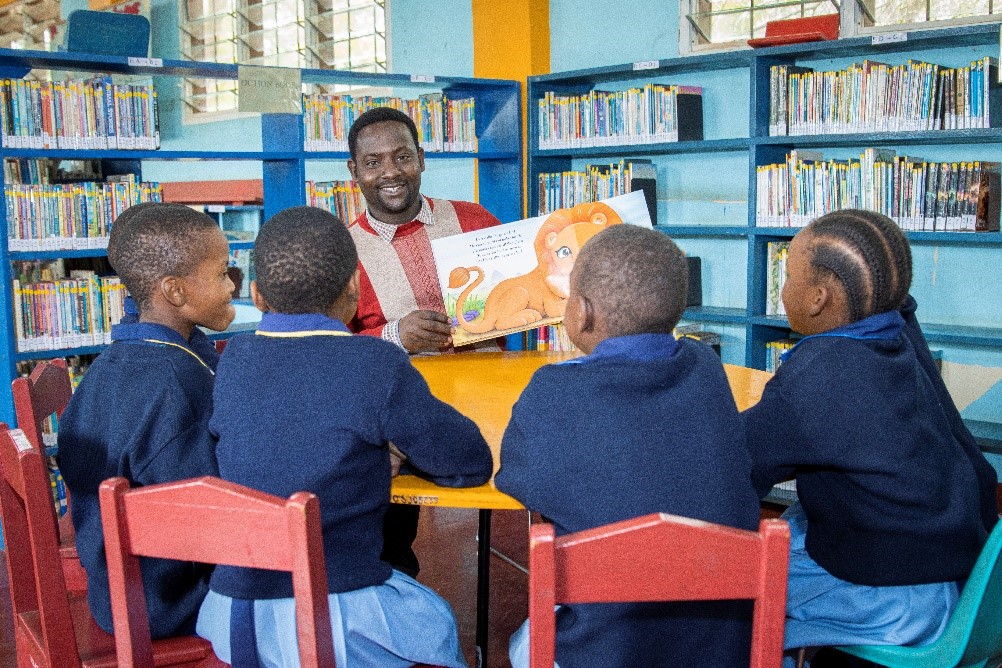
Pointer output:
x,y
401,299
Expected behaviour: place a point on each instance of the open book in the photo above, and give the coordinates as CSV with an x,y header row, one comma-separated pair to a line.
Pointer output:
x,y
516,277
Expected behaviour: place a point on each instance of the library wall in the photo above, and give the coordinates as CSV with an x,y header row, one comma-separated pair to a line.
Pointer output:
x,y
430,37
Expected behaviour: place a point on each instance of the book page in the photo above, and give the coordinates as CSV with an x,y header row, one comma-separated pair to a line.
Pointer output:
x,y
515,277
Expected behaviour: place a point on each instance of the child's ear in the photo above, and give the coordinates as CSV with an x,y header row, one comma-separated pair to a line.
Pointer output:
x,y
173,290
258,299
587,311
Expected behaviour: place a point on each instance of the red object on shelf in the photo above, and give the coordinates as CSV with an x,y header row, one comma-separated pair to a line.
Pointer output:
x,y
795,31
235,193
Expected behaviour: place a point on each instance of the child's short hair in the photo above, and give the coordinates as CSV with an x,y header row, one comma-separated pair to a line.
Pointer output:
x,y
304,258
637,278
868,253
378,115
152,240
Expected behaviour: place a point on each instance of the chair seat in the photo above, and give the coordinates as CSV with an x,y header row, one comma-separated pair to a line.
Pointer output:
x,y
97,648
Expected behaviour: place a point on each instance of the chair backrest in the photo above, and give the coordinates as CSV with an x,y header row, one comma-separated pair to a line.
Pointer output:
x,y
213,521
975,622
46,391
699,561
33,561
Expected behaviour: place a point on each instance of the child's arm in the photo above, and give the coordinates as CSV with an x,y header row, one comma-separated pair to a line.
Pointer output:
x,y
770,426
439,442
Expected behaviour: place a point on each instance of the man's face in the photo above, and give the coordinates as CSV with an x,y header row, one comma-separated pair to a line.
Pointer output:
x,y
387,167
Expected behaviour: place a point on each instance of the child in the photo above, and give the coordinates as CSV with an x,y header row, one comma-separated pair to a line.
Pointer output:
x,y
143,408
303,405
644,423
896,500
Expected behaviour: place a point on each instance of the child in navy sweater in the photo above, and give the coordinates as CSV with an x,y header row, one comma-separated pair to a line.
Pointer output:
x,y
304,405
895,499
142,410
644,423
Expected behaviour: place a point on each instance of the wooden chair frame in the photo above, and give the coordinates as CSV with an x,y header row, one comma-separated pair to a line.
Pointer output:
x,y
213,521
697,561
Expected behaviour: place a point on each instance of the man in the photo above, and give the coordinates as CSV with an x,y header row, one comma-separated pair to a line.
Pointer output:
x,y
400,298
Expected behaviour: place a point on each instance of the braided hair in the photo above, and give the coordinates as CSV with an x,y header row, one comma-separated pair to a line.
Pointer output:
x,y
868,253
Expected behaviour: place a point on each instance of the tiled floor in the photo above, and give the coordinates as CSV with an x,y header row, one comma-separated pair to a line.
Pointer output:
x,y
447,548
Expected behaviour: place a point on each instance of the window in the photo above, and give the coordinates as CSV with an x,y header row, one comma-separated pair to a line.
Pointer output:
x,y
719,23
323,34
30,25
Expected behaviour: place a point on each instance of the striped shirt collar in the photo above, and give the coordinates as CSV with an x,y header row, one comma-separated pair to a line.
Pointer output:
x,y
299,323
387,231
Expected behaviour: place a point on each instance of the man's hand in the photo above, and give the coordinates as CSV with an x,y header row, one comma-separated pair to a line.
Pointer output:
x,y
425,331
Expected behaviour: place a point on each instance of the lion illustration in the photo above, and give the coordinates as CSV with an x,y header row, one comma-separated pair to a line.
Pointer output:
x,y
541,293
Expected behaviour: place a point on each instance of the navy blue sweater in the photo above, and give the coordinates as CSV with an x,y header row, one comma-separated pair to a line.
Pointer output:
x,y
302,405
892,495
141,412
644,424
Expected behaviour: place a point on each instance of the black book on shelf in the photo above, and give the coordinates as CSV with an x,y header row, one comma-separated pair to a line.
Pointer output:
x,y
695,294
690,113
644,176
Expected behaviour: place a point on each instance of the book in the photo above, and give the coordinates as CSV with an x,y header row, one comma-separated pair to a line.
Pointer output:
x,y
516,277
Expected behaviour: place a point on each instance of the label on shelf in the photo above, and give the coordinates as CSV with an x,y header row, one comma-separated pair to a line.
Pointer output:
x,y
422,78
646,65
145,62
215,208
890,37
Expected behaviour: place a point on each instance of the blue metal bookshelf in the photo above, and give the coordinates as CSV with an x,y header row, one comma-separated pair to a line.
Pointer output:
x,y
283,158
762,149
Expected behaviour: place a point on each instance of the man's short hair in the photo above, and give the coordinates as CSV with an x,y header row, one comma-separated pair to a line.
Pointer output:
x,y
636,278
304,258
379,115
153,240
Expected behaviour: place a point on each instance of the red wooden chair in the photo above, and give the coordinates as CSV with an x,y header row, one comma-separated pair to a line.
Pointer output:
x,y
46,391
699,561
53,627
213,521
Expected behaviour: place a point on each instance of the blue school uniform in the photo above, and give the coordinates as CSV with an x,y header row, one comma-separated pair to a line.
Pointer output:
x,y
644,424
141,412
303,405
890,514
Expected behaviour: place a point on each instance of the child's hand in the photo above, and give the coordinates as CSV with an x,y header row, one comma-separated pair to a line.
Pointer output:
x,y
397,459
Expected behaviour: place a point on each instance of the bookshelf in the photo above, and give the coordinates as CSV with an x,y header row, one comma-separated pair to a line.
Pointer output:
x,y
739,245
282,158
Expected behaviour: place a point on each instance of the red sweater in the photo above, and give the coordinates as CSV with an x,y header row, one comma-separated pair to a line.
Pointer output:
x,y
400,277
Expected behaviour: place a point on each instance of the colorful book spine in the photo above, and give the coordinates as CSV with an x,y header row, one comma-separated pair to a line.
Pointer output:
x,y
91,114
560,190
916,194
342,198
444,124
876,97
69,216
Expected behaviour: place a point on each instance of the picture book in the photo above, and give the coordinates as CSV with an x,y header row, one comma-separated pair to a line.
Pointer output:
x,y
516,277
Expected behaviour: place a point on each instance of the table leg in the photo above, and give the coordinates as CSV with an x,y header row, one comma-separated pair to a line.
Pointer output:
x,y
483,584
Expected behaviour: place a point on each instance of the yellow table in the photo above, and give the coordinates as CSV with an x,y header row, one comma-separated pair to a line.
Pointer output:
x,y
484,387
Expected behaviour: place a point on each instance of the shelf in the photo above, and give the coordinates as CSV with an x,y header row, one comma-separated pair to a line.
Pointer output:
x,y
99,154
703,230
669,66
718,314
428,155
57,254
963,335
950,238
667,148
870,139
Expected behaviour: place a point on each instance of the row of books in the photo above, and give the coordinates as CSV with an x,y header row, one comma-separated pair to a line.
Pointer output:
x,y
774,353
342,198
559,190
72,215
52,311
918,195
775,273
875,97
550,337
443,124
656,113
91,114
